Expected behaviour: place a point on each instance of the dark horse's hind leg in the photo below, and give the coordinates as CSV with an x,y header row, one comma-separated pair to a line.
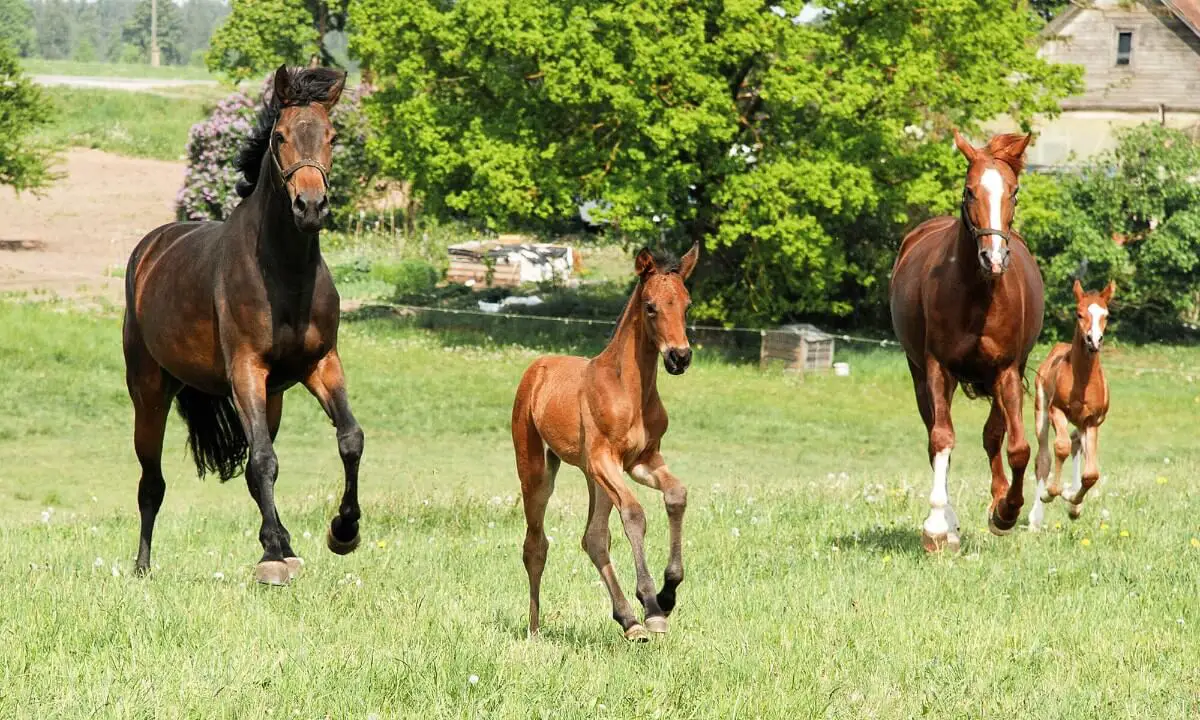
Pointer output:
x,y
249,377
327,383
151,390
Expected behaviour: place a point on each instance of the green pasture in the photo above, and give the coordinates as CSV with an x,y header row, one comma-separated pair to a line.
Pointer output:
x,y
807,593
76,68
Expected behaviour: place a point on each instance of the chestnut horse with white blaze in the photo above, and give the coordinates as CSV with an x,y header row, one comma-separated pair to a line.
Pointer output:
x,y
604,416
1071,389
967,302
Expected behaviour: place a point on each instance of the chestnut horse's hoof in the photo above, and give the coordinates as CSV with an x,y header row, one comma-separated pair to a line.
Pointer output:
x,y
1073,510
999,526
657,624
939,542
294,565
637,633
272,572
342,547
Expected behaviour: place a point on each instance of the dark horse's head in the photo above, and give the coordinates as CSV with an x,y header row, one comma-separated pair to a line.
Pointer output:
x,y
1091,314
665,301
295,132
990,196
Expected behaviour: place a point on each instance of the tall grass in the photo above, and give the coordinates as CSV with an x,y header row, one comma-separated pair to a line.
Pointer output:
x,y
129,123
807,594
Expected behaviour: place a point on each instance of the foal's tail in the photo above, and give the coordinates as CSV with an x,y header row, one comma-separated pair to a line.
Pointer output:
x,y
215,434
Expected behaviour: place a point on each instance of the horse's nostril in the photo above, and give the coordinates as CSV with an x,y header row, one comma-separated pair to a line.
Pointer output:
x,y
323,205
299,205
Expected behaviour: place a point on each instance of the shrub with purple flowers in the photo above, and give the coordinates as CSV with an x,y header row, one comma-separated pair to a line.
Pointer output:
x,y
209,184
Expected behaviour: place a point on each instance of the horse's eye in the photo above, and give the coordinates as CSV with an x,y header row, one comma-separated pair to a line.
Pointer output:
x,y
333,140
651,309
279,139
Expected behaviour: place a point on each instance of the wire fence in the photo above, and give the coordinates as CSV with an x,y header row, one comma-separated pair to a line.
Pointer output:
x,y
739,342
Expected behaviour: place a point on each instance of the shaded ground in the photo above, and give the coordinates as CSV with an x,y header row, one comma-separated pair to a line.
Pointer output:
x,y
74,239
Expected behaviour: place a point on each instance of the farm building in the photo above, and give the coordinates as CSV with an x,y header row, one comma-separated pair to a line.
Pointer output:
x,y
801,348
1141,62
508,264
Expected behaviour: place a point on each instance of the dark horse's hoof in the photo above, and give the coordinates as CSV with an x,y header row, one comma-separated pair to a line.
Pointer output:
x,y
342,547
272,572
657,625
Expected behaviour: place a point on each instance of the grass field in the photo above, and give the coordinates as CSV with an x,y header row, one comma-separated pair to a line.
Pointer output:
x,y
807,594
129,123
38,66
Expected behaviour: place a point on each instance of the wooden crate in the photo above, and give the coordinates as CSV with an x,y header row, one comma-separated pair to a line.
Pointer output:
x,y
800,347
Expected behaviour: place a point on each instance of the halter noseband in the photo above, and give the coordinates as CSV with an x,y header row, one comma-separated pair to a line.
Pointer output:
x,y
287,173
978,232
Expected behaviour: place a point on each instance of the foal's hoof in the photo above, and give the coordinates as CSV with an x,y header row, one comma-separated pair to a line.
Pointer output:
x,y
657,625
999,526
939,542
294,565
342,547
637,633
1073,510
272,572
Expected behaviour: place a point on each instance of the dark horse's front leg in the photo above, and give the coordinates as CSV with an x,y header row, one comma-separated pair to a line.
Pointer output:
x,y
249,379
1007,498
327,383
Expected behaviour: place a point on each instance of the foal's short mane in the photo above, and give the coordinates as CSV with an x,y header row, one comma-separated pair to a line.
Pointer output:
x,y
306,85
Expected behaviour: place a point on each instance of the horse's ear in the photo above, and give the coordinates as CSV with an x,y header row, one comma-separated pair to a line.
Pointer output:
x,y
282,84
643,264
964,147
1078,288
335,92
1108,291
1011,148
688,262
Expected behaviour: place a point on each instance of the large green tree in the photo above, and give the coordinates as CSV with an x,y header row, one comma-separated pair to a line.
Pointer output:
x,y
797,150
259,35
170,31
24,165
16,27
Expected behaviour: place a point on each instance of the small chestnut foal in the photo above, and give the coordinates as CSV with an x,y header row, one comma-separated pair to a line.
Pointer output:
x,y
604,416
1071,388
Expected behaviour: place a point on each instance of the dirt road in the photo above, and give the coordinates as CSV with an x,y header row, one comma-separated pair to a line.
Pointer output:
x,y
75,239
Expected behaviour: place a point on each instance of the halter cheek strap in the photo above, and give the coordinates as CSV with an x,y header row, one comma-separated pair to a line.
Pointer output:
x,y
287,173
978,232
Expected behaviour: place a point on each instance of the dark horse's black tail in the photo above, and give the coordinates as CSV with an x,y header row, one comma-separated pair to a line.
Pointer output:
x,y
215,434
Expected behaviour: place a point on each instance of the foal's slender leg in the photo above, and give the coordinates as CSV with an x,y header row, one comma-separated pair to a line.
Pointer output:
x,y
1063,439
596,544
607,473
328,384
940,530
151,391
654,473
1007,498
537,470
1087,475
1041,496
249,380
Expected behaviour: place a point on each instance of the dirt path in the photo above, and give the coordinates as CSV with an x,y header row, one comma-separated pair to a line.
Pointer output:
x,y
75,239
111,83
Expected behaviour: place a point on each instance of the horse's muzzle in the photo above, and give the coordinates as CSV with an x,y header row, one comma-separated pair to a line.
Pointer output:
x,y
310,210
994,261
1093,343
677,360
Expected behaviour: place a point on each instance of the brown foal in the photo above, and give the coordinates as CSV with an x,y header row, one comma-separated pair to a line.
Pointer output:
x,y
967,301
1071,389
604,416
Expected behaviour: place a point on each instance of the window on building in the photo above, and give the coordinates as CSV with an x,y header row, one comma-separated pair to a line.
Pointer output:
x,y
1124,46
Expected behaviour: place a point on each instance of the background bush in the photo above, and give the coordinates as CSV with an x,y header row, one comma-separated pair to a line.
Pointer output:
x,y
208,191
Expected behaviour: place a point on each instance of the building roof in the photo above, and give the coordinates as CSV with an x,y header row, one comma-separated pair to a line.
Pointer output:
x,y
1187,11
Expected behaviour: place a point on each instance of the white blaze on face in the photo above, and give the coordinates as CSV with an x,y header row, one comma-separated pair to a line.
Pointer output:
x,y
993,184
1096,312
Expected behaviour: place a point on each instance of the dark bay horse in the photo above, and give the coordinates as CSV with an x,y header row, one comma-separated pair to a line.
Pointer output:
x,y
604,416
1072,390
223,317
967,302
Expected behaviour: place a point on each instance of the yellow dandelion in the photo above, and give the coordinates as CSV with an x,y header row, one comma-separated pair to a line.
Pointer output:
x,y
1124,533
1103,526
1058,526
1195,543
1161,480
1085,542
887,558
381,544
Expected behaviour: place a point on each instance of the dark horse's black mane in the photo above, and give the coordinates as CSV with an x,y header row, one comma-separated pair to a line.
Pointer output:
x,y
306,85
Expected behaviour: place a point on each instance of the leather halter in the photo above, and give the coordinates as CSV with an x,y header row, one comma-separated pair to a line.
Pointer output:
x,y
287,173
978,232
